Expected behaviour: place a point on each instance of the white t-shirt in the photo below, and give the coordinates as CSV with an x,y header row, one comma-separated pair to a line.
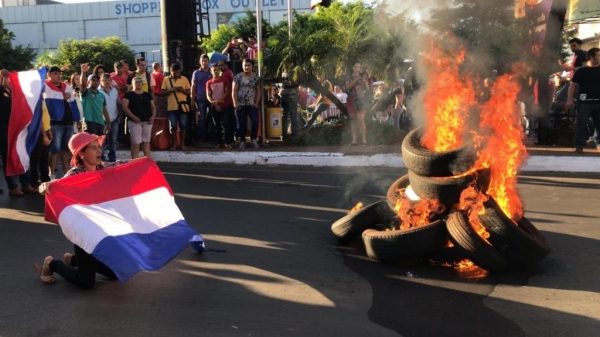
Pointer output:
x,y
112,98
342,96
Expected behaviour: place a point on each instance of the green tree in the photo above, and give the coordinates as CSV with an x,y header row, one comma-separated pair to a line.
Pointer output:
x,y
355,32
93,51
218,39
311,47
14,57
487,29
246,26
397,41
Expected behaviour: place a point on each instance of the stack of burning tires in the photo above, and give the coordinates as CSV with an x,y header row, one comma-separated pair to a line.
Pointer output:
x,y
442,203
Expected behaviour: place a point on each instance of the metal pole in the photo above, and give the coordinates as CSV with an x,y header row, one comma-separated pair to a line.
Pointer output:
x,y
259,64
290,20
163,33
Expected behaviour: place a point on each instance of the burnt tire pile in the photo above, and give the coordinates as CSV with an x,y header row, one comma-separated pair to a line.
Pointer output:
x,y
438,175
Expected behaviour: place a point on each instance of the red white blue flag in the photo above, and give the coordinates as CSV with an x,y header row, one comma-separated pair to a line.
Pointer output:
x,y
124,216
25,118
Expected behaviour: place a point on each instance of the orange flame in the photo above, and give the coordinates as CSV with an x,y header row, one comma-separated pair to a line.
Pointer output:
x,y
417,213
448,98
356,208
471,200
504,151
468,269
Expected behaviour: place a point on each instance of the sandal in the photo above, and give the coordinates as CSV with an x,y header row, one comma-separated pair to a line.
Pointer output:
x,y
353,144
46,275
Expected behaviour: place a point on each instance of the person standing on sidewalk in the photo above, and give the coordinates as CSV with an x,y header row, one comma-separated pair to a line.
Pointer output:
x,y
226,72
61,119
95,116
140,110
218,92
111,96
246,100
289,106
5,107
176,88
159,100
143,74
586,82
198,93
358,86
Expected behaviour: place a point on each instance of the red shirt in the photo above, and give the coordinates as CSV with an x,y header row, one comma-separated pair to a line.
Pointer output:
x,y
158,79
120,81
228,74
217,88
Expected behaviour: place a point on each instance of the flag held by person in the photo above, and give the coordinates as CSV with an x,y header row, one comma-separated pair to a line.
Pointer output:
x,y
25,118
124,216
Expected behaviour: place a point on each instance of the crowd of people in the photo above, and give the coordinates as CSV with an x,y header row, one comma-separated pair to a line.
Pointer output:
x,y
219,106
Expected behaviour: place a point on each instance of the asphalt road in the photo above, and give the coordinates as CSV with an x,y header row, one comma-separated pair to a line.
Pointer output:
x,y
278,271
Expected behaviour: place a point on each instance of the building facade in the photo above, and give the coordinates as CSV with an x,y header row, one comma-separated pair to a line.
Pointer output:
x,y
135,22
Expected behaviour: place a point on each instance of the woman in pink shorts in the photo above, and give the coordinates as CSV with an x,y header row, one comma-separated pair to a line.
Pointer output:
x,y
140,110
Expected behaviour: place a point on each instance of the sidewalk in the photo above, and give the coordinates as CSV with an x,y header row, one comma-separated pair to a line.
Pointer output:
x,y
541,158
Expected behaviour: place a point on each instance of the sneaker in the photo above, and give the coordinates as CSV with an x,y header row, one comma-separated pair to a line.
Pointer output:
x,y
242,145
254,143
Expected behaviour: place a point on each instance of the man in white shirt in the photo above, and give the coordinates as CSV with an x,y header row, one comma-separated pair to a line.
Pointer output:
x,y
111,95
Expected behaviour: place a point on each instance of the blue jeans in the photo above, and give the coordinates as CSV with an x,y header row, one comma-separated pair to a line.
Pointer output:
x,y
110,143
203,106
585,112
289,105
243,112
319,109
61,135
177,116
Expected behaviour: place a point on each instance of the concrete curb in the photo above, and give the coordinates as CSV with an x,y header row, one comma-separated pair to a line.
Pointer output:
x,y
335,159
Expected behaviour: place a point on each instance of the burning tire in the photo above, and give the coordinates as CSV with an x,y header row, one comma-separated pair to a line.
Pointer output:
x,y
445,189
474,247
367,217
392,245
392,194
435,164
523,245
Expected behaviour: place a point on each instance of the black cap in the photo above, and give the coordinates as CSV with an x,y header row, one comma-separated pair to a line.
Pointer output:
x,y
54,69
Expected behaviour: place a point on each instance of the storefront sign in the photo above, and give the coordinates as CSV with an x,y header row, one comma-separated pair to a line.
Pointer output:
x,y
137,8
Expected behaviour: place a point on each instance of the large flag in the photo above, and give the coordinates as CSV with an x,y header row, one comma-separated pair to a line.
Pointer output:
x,y
25,118
125,216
